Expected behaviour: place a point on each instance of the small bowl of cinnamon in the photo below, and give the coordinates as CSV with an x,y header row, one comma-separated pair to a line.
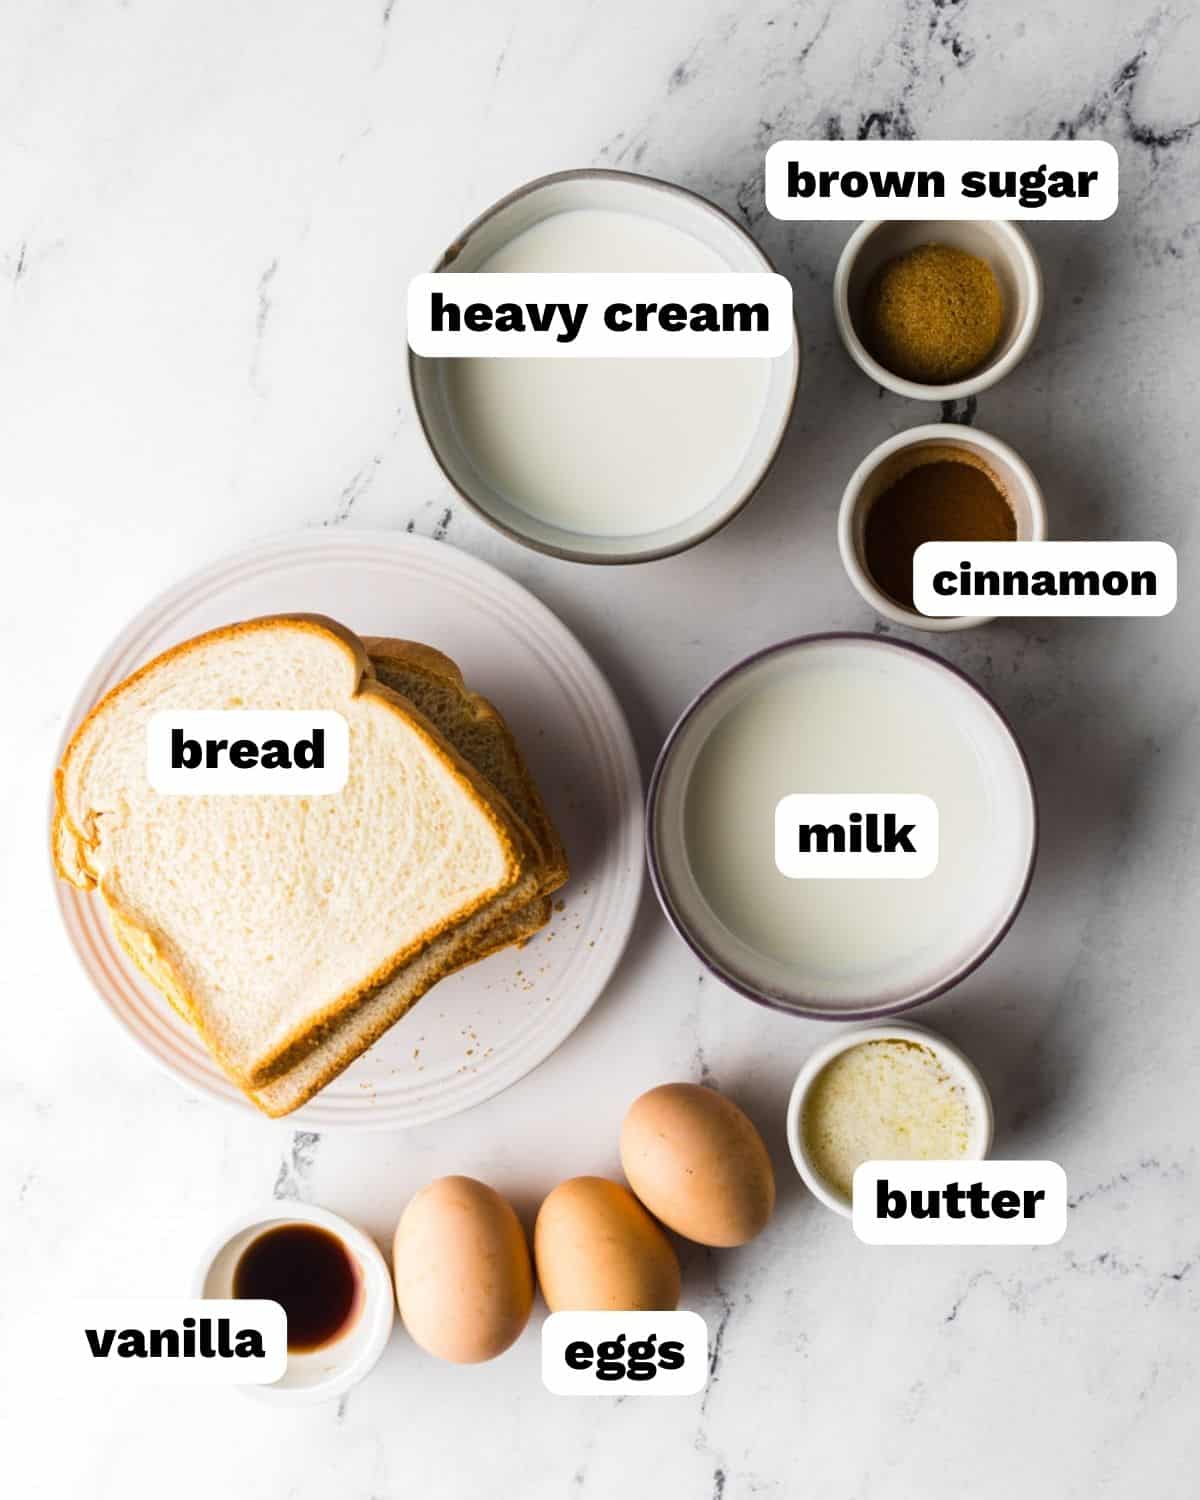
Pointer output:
x,y
937,310
938,483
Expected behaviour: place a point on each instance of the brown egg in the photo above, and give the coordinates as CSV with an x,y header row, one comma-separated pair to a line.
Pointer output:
x,y
597,1248
464,1282
697,1162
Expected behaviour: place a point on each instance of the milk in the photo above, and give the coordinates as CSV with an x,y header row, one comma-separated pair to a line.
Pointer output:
x,y
833,720
606,447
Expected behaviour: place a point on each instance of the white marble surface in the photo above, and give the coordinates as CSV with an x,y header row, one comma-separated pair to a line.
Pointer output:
x,y
208,218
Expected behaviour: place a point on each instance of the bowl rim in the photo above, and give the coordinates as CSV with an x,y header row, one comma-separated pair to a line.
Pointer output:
x,y
915,437
582,554
378,1309
809,1008
992,372
820,1057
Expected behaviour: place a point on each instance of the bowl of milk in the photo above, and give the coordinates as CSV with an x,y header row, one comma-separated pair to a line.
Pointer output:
x,y
605,460
852,716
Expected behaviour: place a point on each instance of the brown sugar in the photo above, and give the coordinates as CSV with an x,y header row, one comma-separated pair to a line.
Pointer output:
x,y
934,314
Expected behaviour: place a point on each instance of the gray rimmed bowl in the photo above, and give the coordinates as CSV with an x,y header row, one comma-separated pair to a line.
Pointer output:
x,y
988,905
622,192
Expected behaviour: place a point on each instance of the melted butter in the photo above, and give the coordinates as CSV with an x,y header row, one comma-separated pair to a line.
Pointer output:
x,y
883,1101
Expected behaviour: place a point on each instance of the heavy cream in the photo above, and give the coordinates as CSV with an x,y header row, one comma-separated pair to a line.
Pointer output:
x,y
606,447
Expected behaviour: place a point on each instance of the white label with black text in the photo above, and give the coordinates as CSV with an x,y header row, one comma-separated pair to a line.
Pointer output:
x,y
1045,578
960,1202
247,752
609,315
624,1353
941,180
172,1340
856,836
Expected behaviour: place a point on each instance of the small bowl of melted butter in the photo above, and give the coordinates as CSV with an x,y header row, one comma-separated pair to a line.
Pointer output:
x,y
884,1093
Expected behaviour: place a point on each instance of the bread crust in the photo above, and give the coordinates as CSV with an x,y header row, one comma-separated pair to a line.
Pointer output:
x,y
72,845
459,954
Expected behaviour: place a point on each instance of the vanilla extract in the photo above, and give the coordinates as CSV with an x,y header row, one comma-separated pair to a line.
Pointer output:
x,y
311,1274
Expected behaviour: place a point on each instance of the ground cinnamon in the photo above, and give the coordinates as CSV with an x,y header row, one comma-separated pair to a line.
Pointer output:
x,y
948,500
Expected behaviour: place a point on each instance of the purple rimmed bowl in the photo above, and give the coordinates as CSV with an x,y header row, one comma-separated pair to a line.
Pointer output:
x,y
851,714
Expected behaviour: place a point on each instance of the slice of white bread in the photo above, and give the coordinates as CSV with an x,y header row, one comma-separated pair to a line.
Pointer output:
x,y
478,732
433,683
266,919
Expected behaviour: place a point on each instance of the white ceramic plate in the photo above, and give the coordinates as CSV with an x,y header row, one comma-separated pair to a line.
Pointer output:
x,y
485,1028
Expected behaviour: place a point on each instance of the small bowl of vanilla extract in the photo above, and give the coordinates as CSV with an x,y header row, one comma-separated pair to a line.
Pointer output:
x,y
330,1279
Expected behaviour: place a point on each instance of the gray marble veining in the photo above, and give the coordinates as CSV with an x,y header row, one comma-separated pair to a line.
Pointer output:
x,y
209,218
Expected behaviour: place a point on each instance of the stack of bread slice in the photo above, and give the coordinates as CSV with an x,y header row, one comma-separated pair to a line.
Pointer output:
x,y
292,932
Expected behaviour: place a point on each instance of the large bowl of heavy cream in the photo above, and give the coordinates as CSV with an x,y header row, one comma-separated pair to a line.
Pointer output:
x,y
841,714
597,459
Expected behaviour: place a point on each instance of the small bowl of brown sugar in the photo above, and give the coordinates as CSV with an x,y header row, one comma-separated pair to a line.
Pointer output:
x,y
938,483
937,309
